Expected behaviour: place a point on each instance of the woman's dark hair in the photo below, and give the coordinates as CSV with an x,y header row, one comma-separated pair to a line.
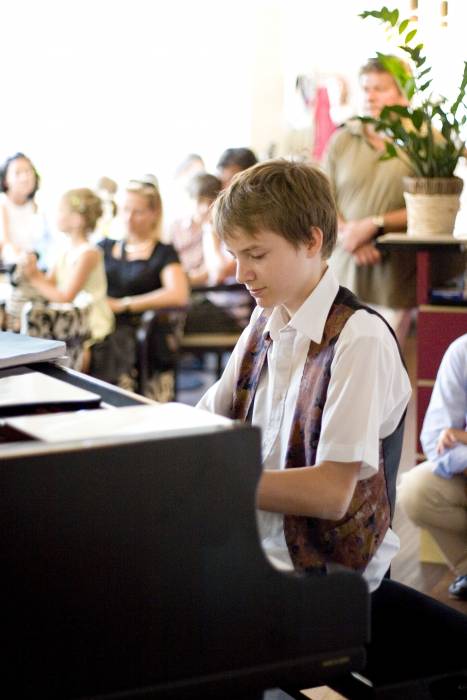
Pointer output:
x,y
243,157
204,185
4,169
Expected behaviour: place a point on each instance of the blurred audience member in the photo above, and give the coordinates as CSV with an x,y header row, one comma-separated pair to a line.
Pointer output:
x,y
142,273
187,233
106,189
369,194
78,275
176,199
434,493
233,161
22,226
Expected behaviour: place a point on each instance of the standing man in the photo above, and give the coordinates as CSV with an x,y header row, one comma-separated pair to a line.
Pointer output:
x,y
370,201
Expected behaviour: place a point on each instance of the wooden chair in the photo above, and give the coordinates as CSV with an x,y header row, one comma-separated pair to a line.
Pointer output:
x,y
67,322
172,320
213,341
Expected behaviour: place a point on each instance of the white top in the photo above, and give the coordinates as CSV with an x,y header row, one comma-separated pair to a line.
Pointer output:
x,y
94,291
367,394
26,227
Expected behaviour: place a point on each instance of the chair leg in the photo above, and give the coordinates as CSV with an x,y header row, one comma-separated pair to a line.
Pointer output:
x,y
219,355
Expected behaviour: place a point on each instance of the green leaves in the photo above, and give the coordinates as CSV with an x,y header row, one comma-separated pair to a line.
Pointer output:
x,y
399,71
385,15
403,25
411,130
461,96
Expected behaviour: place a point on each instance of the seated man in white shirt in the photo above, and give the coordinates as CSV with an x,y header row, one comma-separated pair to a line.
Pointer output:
x,y
322,376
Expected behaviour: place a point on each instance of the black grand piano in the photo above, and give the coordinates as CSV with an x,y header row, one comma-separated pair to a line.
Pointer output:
x,y
131,568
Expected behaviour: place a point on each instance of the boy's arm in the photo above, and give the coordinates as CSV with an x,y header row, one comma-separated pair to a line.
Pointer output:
x,y
322,491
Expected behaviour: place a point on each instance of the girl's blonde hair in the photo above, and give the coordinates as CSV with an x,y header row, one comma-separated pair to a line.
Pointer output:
x,y
85,202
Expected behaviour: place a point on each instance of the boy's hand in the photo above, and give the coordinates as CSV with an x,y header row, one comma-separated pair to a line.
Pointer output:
x,y
448,438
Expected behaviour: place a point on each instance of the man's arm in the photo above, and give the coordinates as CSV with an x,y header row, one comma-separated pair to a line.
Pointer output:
x,y
322,491
353,234
447,409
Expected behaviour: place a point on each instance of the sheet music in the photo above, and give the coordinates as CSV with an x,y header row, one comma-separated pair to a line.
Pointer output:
x,y
20,349
126,421
21,386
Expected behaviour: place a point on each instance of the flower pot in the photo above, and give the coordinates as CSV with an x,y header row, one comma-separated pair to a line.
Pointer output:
x,y
432,205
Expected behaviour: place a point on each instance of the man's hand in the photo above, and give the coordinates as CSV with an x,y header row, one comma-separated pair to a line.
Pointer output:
x,y
367,254
353,234
448,438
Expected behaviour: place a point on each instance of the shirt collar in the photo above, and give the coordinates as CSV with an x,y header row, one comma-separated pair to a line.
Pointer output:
x,y
311,317
356,127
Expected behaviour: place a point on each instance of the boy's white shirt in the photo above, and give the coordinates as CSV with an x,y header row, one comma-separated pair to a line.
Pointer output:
x,y
367,394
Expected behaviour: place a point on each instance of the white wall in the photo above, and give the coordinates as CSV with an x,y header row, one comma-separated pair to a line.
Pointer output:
x,y
120,87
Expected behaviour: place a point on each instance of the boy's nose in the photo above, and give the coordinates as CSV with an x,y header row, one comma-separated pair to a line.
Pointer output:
x,y
243,274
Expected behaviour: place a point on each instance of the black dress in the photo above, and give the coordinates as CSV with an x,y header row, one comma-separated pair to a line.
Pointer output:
x,y
114,360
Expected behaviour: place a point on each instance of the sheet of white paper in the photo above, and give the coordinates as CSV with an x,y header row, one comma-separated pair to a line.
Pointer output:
x,y
22,386
131,420
19,349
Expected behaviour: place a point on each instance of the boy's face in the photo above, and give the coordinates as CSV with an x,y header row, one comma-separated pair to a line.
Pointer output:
x,y
273,270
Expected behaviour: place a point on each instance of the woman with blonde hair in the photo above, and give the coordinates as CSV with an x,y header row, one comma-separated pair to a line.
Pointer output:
x,y
79,270
142,274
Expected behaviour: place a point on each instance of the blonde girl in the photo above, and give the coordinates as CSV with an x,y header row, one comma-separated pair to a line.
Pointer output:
x,y
80,267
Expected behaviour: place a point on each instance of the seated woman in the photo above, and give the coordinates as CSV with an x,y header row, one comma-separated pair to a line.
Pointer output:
x,y
79,273
142,274
207,263
22,226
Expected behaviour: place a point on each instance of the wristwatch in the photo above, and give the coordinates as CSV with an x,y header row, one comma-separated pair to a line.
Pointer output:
x,y
378,221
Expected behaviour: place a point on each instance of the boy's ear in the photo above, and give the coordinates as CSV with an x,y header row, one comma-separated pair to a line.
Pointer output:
x,y
315,242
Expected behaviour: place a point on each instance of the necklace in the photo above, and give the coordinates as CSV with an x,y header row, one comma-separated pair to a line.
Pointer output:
x,y
138,247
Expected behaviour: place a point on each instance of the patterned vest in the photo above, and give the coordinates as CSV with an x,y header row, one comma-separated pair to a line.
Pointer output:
x,y
314,542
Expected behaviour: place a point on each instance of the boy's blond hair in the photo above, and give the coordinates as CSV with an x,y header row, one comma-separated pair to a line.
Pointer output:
x,y
280,196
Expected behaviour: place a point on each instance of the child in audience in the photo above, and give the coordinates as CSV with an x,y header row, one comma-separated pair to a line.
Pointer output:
x,y
186,234
233,161
323,378
207,263
22,226
80,267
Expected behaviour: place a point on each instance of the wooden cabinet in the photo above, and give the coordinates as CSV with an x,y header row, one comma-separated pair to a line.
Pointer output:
x,y
437,326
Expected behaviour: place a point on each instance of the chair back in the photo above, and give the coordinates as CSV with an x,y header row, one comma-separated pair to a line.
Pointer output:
x,y
65,322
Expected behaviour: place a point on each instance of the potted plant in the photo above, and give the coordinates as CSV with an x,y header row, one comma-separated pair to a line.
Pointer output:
x,y
426,134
